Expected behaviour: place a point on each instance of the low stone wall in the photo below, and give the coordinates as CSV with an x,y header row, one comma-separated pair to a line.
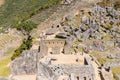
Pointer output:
x,y
81,71
45,73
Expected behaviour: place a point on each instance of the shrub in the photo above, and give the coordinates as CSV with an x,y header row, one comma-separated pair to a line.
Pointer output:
x,y
26,26
26,45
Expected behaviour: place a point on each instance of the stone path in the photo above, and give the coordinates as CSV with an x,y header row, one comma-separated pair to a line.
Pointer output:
x,y
25,77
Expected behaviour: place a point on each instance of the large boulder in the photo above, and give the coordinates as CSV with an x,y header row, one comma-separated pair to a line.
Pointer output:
x,y
98,45
86,34
85,19
25,64
67,29
45,73
78,35
61,35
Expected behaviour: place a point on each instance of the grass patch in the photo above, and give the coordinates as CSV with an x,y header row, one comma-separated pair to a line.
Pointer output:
x,y
115,71
107,37
10,51
76,42
100,59
26,45
4,69
80,50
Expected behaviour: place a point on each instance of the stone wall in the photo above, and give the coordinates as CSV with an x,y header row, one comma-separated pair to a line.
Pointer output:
x,y
51,46
53,43
43,50
25,64
45,73
56,50
80,71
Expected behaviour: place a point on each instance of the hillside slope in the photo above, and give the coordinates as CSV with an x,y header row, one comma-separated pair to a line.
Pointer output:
x,y
14,11
1,2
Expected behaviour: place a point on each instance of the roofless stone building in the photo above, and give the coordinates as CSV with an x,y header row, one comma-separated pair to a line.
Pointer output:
x,y
51,63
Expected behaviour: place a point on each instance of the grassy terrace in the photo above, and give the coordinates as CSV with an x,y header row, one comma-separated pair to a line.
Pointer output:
x,y
15,11
115,71
4,66
100,59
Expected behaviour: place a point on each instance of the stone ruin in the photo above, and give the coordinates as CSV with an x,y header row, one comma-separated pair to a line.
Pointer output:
x,y
25,64
30,64
73,72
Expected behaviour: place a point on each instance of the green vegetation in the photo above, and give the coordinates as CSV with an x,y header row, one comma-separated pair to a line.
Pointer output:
x,y
1,30
109,3
10,51
4,66
115,71
100,59
117,4
26,45
107,37
17,11
26,26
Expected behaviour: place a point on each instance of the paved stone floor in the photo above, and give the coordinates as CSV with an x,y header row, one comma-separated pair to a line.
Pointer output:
x,y
65,59
25,77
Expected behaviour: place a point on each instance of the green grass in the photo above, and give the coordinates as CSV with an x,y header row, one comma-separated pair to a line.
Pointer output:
x,y
1,30
115,71
100,59
107,37
10,51
15,11
4,69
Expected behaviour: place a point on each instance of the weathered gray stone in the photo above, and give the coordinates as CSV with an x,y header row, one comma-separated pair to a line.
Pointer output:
x,y
67,29
61,35
113,63
45,73
86,34
67,49
118,75
56,50
97,45
25,64
78,35
85,19
51,31
109,43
